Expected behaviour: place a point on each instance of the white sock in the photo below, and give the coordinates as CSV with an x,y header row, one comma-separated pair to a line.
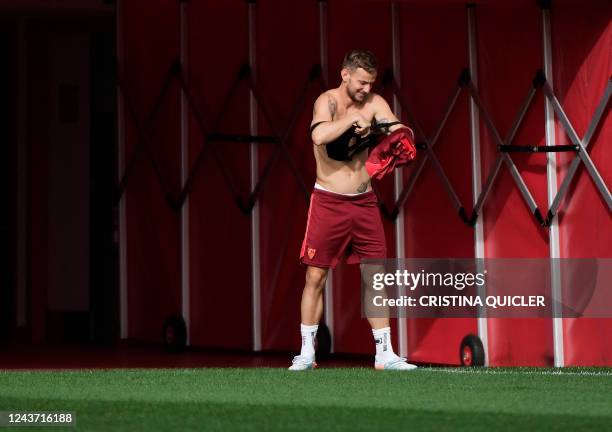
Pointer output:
x,y
308,337
384,350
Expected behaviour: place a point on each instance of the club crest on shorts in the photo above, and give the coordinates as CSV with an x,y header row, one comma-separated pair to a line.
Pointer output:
x,y
311,253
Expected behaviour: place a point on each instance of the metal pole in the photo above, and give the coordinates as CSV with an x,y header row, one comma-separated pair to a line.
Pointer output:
x,y
329,283
121,161
398,180
551,177
185,291
254,158
479,252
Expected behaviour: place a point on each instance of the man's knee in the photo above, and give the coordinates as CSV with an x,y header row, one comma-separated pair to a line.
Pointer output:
x,y
315,278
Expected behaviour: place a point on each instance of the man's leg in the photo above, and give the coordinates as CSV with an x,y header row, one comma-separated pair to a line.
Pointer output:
x,y
311,311
312,296
379,321
378,316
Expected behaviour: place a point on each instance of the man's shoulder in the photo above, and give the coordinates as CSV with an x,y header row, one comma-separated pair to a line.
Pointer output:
x,y
329,93
375,98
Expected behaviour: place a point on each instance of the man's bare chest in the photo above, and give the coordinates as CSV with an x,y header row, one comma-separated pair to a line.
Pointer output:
x,y
366,112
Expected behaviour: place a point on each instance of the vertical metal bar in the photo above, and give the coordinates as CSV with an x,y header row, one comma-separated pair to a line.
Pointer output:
x,y
398,180
551,177
121,161
185,255
22,176
329,283
254,158
479,252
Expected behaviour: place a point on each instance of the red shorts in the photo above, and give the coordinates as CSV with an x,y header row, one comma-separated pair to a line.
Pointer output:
x,y
338,223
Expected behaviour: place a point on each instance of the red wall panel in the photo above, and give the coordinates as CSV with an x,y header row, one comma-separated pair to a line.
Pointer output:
x,y
286,53
37,141
150,46
582,69
433,51
506,70
431,60
220,234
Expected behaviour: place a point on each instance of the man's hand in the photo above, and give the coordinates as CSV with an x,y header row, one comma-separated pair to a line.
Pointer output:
x,y
362,125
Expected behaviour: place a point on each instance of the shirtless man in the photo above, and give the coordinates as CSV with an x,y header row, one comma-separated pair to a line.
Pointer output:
x,y
343,209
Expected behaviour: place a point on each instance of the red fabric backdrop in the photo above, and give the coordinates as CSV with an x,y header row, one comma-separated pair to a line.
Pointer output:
x,y
220,252
510,52
582,68
433,228
150,46
433,51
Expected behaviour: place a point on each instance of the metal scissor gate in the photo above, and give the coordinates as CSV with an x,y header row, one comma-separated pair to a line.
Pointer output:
x,y
505,147
315,80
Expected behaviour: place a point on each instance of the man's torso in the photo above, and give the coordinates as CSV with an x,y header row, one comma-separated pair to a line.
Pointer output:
x,y
346,177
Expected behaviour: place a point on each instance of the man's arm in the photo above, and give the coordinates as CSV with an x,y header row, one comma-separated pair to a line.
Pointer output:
x,y
329,129
383,114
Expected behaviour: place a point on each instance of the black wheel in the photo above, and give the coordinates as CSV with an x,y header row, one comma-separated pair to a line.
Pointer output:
x,y
323,343
174,334
472,351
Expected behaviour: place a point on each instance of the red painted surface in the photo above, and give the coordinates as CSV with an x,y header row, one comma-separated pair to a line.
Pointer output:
x,y
509,227
433,228
582,68
219,233
433,51
153,248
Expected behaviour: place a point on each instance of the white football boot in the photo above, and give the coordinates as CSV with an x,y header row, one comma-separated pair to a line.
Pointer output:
x,y
397,363
301,363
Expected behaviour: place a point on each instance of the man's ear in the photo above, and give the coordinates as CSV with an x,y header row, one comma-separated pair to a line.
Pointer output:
x,y
345,74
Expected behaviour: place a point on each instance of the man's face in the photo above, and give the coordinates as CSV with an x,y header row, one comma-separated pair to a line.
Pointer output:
x,y
359,83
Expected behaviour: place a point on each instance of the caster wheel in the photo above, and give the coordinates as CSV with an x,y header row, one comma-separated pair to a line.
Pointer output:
x,y
174,334
472,351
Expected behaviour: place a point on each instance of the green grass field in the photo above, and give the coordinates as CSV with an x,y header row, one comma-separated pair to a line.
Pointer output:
x,y
322,400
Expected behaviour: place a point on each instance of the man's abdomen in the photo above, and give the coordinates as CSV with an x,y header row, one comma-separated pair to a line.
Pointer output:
x,y
343,177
